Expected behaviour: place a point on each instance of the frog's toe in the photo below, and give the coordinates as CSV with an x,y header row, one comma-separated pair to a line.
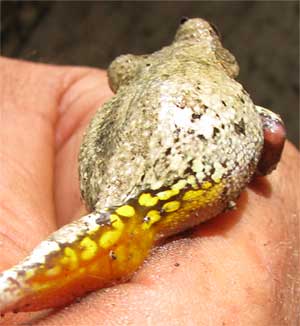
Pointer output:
x,y
274,138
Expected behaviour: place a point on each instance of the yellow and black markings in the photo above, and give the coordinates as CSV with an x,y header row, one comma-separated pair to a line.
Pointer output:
x,y
121,244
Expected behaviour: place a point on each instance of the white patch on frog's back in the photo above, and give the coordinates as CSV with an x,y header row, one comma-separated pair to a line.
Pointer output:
x,y
176,163
206,125
182,118
169,114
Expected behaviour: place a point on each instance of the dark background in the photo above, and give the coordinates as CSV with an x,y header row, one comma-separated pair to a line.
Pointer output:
x,y
264,37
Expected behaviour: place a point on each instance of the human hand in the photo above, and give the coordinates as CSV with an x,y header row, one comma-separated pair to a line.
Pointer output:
x,y
237,269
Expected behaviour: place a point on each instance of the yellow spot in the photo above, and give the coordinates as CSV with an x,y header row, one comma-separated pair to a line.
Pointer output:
x,y
70,258
148,200
179,185
193,201
193,195
109,238
206,185
152,216
116,222
90,248
171,206
53,271
126,210
216,180
167,194
38,286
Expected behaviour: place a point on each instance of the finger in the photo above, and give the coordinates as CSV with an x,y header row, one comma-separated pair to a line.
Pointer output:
x,y
78,105
231,270
29,98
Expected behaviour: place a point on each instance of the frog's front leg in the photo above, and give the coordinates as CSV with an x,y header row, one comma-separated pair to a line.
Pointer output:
x,y
95,251
274,138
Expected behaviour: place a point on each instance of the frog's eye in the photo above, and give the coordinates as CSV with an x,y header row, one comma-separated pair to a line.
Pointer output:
x,y
183,20
214,27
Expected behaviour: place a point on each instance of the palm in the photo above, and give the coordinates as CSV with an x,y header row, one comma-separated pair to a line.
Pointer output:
x,y
194,280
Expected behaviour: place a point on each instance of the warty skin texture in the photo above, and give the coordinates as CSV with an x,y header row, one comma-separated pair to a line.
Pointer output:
x,y
174,147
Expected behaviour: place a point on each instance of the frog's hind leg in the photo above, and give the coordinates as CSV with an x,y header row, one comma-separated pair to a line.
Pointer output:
x,y
93,252
274,138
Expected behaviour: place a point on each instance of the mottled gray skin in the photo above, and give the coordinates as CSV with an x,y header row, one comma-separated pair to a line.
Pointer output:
x,y
176,112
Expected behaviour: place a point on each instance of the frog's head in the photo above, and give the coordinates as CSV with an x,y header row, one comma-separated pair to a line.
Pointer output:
x,y
206,35
196,29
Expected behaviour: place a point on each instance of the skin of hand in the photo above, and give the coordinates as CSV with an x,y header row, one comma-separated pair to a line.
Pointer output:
x,y
238,269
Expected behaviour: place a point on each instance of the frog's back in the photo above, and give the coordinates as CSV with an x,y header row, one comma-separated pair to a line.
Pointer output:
x,y
175,120
178,114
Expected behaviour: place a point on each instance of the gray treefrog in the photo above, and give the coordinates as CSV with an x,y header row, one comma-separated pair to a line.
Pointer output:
x,y
174,147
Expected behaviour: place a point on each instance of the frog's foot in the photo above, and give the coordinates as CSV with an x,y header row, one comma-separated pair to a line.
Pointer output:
x,y
95,251
274,138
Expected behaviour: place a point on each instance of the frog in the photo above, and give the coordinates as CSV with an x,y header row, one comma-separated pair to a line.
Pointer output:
x,y
174,147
